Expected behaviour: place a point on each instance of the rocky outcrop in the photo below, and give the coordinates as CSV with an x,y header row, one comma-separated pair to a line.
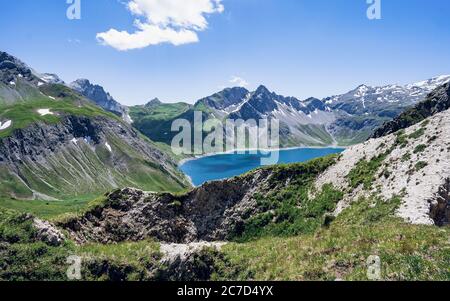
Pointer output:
x,y
47,233
208,213
440,205
214,212
12,68
414,164
18,82
99,96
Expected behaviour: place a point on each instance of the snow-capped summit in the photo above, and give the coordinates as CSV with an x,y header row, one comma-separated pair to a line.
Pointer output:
x,y
389,100
347,118
430,84
50,78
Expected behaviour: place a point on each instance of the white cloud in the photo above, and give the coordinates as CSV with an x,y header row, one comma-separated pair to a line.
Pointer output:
x,y
162,21
238,81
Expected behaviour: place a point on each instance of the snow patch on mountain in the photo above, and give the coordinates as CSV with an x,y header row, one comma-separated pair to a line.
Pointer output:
x,y
372,99
44,112
50,78
5,125
108,146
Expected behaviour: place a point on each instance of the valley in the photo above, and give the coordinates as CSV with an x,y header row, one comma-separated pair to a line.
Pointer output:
x,y
83,175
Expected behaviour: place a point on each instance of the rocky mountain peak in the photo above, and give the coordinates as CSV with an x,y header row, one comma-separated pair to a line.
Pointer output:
x,y
51,78
313,103
12,68
226,98
262,90
153,103
81,82
98,95
431,83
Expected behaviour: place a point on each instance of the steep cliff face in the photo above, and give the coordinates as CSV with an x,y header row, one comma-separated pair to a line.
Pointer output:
x,y
99,96
208,213
81,156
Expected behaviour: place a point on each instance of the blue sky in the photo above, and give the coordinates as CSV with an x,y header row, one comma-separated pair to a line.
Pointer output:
x,y
297,48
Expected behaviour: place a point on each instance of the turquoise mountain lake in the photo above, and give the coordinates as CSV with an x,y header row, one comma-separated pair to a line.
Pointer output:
x,y
224,166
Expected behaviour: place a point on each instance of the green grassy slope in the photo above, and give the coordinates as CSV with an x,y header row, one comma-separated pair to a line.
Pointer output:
x,y
341,251
78,170
155,122
66,102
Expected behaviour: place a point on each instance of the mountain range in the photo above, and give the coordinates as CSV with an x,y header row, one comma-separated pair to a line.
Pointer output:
x,y
341,120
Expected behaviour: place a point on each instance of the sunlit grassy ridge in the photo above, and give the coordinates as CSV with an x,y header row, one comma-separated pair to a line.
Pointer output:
x,y
47,209
156,121
80,164
66,102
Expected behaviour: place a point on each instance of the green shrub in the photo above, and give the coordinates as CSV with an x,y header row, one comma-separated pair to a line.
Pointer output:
x,y
417,134
420,148
364,172
420,165
406,157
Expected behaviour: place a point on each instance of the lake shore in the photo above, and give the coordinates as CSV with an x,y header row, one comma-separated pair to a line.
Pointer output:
x,y
198,157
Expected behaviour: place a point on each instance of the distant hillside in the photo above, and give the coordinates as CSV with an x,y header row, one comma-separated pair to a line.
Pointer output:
x,y
437,101
56,144
155,119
